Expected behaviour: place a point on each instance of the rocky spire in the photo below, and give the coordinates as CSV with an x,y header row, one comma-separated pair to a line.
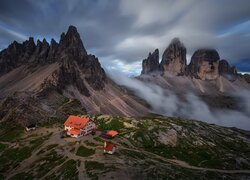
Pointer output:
x,y
174,58
227,71
71,40
204,64
29,45
151,64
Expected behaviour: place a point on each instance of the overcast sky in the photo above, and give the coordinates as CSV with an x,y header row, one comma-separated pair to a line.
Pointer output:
x,y
122,32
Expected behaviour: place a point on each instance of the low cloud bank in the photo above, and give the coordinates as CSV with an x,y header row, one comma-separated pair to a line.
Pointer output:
x,y
167,103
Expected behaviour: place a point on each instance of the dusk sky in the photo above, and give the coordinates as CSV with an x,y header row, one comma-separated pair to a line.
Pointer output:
x,y
122,32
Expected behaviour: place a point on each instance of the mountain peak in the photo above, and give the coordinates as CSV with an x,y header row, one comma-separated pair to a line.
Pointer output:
x,y
151,64
72,40
72,29
174,58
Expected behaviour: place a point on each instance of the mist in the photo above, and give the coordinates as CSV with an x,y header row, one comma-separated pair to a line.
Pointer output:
x,y
167,103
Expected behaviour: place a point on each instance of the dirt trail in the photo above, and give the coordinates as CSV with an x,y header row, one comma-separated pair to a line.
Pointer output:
x,y
82,174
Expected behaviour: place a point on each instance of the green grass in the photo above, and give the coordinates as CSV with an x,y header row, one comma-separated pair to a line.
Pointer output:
x,y
93,168
114,124
22,175
46,163
11,157
133,154
98,139
68,170
85,152
94,165
3,147
88,143
12,134
51,146
39,141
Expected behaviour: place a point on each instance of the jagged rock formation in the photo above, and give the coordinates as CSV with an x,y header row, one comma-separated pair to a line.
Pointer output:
x,y
227,71
246,77
69,52
64,69
174,58
151,63
204,64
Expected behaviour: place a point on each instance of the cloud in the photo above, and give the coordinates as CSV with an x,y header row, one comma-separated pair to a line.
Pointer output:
x,y
166,102
128,30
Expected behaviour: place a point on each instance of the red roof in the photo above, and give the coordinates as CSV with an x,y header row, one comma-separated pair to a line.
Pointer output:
x,y
112,133
109,147
74,131
76,122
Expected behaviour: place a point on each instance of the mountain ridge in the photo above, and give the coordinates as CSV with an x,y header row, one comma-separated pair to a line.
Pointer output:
x,y
205,64
66,70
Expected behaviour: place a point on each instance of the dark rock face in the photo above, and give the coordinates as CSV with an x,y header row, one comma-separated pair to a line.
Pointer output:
x,y
69,53
70,76
174,58
245,77
94,74
204,64
72,43
227,71
151,64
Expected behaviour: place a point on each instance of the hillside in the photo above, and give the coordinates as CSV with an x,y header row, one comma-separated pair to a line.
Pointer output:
x,y
41,71
152,147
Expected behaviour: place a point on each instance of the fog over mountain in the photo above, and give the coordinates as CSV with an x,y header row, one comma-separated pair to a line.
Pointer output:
x,y
167,102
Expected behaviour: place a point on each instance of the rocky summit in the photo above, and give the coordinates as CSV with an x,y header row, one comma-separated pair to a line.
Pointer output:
x,y
205,64
227,71
151,64
174,58
68,53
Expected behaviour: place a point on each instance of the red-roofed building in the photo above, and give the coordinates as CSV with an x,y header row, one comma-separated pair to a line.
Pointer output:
x,y
109,134
109,148
79,126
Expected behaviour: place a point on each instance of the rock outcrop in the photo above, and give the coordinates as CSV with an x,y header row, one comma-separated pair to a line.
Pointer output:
x,y
174,58
246,77
151,63
227,71
75,65
204,64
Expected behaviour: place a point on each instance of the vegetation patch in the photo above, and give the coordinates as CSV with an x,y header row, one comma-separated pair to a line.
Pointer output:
x,y
22,175
85,152
11,157
133,154
98,139
51,146
114,124
88,143
67,171
3,147
94,165
93,168
46,163
12,134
